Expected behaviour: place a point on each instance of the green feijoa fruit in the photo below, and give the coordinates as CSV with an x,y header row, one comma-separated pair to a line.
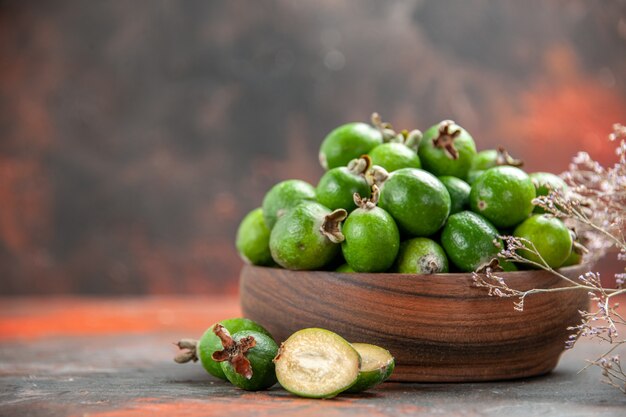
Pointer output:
x,y
345,268
459,192
575,258
421,255
307,237
490,158
253,239
503,195
317,363
283,197
371,236
338,185
348,142
417,200
246,358
377,365
472,176
393,156
209,343
545,182
550,237
470,240
447,149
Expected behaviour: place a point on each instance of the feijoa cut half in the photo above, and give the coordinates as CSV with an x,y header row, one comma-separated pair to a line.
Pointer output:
x,y
377,365
317,363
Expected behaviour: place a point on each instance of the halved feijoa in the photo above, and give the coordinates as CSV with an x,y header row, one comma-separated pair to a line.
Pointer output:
x,y
377,365
317,363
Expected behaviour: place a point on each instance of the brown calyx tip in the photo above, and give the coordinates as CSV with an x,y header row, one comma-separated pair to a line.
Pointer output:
x,y
384,128
492,266
361,165
376,175
331,228
188,351
504,158
448,132
367,203
234,351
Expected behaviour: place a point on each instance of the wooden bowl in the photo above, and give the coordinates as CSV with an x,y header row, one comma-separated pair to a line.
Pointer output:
x,y
440,328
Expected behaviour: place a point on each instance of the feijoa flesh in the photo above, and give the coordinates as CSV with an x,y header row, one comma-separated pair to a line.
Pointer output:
x,y
317,363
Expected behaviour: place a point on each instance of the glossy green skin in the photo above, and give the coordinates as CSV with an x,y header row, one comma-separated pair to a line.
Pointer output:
x,y
417,200
368,380
484,160
261,359
345,268
253,239
503,195
550,236
210,343
468,239
394,156
337,187
459,192
348,142
421,255
283,197
372,240
296,241
544,182
472,176
574,258
437,161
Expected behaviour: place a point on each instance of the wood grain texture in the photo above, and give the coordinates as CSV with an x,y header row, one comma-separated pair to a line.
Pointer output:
x,y
440,328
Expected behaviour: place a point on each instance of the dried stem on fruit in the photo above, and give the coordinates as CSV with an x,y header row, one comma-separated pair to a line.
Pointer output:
x,y
359,166
188,351
448,132
331,228
504,158
367,203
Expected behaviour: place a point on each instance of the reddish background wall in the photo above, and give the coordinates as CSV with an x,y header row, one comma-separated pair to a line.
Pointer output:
x,y
135,135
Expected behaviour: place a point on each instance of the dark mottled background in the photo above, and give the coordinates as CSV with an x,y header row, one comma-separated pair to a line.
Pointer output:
x,y
135,135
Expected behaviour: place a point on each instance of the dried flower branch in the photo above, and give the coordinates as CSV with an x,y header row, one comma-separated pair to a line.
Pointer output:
x,y
595,207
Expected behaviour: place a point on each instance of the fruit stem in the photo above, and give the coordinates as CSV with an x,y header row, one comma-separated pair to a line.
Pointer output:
x,y
448,132
359,166
385,128
331,227
377,175
367,203
504,158
188,351
234,351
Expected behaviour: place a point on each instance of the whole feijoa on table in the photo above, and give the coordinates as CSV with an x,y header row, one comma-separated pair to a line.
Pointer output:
x,y
204,348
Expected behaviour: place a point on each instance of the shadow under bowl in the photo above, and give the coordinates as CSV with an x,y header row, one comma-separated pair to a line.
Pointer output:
x,y
439,327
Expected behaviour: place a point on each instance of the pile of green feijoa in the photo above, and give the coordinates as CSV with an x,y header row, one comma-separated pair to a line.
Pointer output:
x,y
406,202
314,363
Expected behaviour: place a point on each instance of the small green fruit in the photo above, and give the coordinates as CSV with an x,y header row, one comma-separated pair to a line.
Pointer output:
x,y
345,268
338,185
447,149
209,343
307,237
317,363
283,197
253,239
246,358
371,236
490,158
421,255
417,200
545,182
549,235
393,156
459,192
469,240
348,142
